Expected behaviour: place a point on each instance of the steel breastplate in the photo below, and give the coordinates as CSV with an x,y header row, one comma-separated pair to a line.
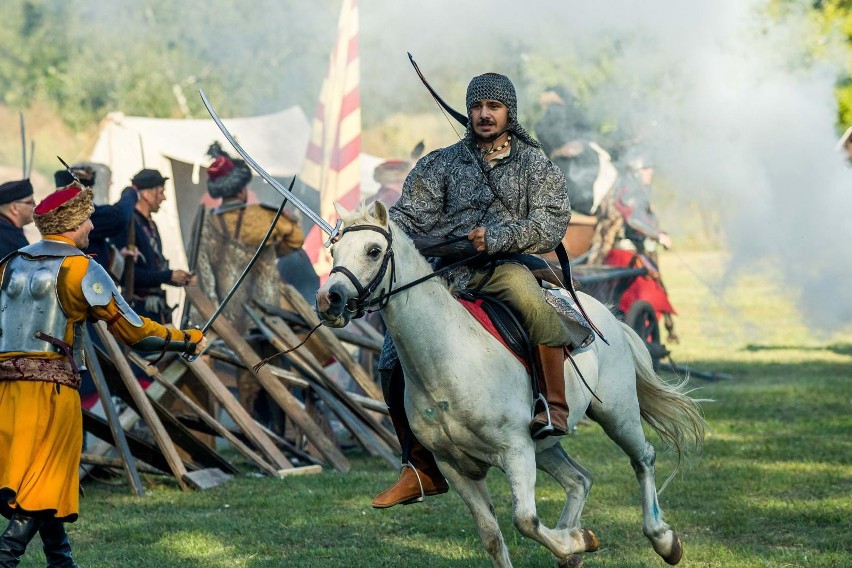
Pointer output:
x,y
29,303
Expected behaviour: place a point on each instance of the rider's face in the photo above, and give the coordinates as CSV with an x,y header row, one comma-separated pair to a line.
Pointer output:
x,y
489,119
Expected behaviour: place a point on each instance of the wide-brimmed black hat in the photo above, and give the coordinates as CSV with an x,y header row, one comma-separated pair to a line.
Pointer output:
x,y
148,178
15,190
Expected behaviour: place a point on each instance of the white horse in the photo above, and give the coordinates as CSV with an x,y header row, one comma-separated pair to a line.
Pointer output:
x,y
469,399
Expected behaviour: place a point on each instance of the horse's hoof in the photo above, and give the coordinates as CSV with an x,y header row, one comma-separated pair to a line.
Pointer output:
x,y
590,540
573,561
676,552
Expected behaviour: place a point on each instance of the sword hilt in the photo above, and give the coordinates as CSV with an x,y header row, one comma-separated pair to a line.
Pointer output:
x,y
334,232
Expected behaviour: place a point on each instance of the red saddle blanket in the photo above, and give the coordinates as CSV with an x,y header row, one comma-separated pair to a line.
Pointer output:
x,y
476,310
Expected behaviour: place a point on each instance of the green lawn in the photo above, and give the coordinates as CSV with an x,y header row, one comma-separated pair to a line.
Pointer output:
x,y
772,487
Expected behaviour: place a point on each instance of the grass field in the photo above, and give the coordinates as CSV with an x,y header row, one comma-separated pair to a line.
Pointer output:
x,y
772,487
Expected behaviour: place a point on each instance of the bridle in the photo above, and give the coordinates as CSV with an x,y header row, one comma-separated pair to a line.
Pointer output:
x,y
359,305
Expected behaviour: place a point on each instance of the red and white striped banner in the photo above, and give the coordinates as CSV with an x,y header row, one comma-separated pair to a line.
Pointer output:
x,y
332,165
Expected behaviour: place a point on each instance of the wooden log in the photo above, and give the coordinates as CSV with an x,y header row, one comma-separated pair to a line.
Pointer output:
x,y
117,463
144,405
272,385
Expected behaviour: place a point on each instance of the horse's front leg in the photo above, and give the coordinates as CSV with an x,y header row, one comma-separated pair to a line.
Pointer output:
x,y
520,466
475,495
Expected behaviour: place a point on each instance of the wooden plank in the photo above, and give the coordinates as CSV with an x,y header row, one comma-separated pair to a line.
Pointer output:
x,y
272,385
212,422
303,470
364,380
283,338
207,478
146,410
112,417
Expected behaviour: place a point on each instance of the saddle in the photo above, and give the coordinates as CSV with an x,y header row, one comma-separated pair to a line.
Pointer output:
x,y
501,321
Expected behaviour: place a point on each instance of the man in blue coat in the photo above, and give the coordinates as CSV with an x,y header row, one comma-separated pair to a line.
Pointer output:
x,y
16,211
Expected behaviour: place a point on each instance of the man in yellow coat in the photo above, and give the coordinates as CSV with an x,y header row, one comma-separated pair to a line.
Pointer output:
x,y
48,291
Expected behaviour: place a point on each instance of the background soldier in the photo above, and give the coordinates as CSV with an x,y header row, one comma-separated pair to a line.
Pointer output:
x,y
16,211
151,269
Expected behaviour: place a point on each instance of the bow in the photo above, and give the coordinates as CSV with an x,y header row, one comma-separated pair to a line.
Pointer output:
x,y
463,119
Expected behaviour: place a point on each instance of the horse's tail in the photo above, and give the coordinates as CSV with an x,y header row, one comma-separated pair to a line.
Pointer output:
x,y
666,407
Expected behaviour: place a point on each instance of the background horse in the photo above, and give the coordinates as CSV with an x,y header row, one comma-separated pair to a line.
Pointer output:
x,y
469,400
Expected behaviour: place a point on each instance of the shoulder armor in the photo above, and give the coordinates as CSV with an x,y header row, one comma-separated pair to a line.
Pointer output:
x,y
99,289
50,248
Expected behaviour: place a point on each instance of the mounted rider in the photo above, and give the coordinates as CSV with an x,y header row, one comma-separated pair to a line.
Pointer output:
x,y
496,187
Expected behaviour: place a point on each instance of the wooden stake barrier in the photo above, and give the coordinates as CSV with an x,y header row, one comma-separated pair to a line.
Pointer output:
x,y
271,384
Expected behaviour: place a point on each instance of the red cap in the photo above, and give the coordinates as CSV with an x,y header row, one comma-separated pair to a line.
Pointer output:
x,y
57,199
221,166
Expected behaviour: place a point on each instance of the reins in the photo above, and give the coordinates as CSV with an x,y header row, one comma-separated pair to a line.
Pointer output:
x,y
360,304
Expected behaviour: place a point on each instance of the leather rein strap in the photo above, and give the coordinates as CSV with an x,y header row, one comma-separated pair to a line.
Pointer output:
x,y
359,305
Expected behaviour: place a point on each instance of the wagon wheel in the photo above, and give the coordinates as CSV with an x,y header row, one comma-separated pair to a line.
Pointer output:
x,y
642,318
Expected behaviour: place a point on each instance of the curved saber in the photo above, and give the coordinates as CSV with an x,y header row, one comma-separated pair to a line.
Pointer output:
x,y
320,222
245,272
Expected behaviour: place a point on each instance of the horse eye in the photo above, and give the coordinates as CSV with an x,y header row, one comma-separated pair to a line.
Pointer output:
x,y
374,252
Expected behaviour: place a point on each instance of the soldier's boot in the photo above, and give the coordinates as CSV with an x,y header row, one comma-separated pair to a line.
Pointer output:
x,y
552,419
420,475
57,547
16,537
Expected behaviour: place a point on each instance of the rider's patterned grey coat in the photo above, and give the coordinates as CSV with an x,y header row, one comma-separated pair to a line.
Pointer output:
x,y
446,195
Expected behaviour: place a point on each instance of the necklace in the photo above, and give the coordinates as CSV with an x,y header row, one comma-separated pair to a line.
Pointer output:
x,y
498,148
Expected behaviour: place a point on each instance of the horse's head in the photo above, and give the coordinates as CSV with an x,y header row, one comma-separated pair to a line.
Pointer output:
x,y
363,262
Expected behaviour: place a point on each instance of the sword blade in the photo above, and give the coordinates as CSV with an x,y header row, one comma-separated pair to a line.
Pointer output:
x,y
320,222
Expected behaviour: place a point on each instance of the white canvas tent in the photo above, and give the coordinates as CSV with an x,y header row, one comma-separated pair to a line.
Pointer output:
x,y
178,148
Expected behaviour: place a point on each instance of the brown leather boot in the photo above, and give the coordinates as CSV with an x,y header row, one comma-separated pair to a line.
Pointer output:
x,y
551,365
420,475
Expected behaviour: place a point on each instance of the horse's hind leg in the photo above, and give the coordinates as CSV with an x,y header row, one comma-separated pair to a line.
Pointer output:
x,y
475,495
629,436
574,479
562,542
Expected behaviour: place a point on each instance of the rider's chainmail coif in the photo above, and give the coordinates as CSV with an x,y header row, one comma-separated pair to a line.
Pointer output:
x,y
493,86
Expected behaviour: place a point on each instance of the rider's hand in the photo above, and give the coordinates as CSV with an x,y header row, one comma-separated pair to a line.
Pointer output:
x,y
665,240
477,237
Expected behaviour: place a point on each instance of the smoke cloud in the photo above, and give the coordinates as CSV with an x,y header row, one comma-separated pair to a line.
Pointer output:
x,y
740,115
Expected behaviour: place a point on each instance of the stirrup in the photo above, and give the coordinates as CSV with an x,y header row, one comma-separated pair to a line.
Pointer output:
x,y
419,482
546,429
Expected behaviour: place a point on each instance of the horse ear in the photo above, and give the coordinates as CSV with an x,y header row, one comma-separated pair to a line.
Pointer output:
x,y
341,210
378,210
